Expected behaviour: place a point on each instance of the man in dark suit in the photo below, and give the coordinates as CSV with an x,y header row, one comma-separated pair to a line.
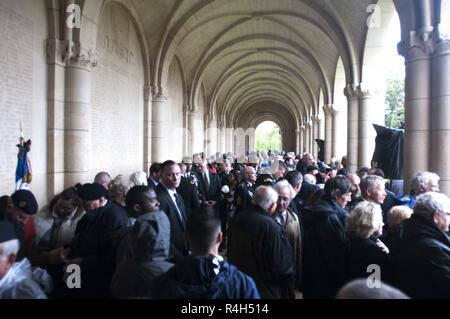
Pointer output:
x,y
209,184
244,192
172,204
189,193
225,171
154,175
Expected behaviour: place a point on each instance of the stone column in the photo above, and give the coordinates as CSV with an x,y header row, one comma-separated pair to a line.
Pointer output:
x,y
328,132
440,114
302,139
211,137
229,139
308,136
417,108
297,141
351,93
369,104
77,113
223,145
55,118
159,126
147,127
316,122
196,143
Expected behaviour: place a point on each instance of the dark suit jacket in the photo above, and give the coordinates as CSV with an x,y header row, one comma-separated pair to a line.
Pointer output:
x,y
178,245
214,187
188,191
151,183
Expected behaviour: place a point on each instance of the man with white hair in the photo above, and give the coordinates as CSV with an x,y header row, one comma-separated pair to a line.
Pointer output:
x,y
16,280
422,260
290,222
260,248
423,182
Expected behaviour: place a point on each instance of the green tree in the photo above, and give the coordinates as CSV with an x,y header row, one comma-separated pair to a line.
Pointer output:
x,y
395,103
268,137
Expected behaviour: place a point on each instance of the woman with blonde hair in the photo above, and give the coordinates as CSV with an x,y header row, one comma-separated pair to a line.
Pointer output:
x,y
364,225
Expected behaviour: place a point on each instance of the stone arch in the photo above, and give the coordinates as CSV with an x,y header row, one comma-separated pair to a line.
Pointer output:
x,y
328,23
118,94
92,12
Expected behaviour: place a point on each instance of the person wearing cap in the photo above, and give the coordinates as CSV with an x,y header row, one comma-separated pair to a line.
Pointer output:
x,y
95,244
16,281
19,209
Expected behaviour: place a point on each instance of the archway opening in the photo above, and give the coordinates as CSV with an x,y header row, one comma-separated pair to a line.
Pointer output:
x,y
268,137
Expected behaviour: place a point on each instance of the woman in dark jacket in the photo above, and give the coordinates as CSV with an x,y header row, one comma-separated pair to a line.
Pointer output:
x,y
325,241
364,225
422,262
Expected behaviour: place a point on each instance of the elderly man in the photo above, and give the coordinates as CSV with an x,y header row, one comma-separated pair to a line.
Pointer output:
x,y
103,178
422,260
16,280
209,183
290,222
244,192
260,247
423,182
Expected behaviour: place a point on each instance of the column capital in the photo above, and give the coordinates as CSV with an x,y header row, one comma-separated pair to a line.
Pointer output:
x,y
159,93
316,119
352,91
366,92
70,53
303,127
327,109
419,45
298,130
442,47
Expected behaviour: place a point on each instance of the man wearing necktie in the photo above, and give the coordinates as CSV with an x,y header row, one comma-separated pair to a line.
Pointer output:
x,y
172,204
209,185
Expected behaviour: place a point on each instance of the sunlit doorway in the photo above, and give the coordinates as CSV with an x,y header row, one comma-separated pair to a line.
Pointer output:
x,y
268,137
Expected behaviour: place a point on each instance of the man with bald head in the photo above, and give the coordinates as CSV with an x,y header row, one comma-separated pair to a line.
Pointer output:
x,y
244,192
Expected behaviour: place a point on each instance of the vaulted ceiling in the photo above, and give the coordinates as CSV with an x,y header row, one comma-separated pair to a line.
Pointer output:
x,y
245,52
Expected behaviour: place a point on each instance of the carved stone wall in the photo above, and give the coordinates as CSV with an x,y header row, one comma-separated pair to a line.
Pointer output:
x,y
118,97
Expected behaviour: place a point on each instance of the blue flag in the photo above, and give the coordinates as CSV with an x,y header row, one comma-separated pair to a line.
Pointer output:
x,y
23,170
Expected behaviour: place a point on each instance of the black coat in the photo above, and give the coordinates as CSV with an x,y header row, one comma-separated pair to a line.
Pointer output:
x,y
96,242
325,249
243,196
214,191
178,247
259,247
365,252
422,260
188,191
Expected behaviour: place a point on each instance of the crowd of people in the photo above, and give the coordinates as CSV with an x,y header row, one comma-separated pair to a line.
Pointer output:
x,y
259,226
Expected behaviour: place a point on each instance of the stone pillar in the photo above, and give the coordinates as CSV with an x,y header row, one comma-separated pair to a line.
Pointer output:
x,y
223,145
302,139
159,132
55,118
352,129
308,136
196,142
316,122
298,143
328,132
229,139
417,108
211,136
369,114
440,114
77,113
147,128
